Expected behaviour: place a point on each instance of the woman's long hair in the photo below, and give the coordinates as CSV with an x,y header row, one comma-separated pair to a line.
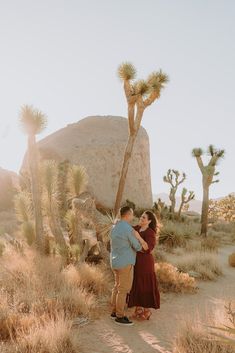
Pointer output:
x,y
153,224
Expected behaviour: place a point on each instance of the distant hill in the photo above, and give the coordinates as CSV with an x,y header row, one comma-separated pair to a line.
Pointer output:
x,y
194,205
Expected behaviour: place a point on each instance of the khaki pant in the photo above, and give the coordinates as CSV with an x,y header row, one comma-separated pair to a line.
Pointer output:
x,y
123,283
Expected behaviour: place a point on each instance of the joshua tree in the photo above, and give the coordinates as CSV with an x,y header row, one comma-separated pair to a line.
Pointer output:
x,y
174,179
50,175
208,174
185,200
139,95
34,122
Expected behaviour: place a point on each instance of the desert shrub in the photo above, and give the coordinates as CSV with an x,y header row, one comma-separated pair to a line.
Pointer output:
x,y
36,289
225,231
231,260
204,264
171,280
225,227
92,278
174,234
193,339
74,301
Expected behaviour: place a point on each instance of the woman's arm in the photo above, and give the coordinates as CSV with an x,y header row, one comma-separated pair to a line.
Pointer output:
x,y
141,240
150,240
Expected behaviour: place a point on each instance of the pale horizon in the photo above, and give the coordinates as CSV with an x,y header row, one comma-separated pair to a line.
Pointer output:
x,y
62,58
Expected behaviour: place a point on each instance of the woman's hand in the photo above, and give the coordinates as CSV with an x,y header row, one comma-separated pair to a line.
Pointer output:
x,y
144,244
141,240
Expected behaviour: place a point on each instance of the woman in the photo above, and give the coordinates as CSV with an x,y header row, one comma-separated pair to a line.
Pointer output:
x,y
144,293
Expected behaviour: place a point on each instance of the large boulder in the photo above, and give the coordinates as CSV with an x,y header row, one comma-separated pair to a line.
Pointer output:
x,y
98,143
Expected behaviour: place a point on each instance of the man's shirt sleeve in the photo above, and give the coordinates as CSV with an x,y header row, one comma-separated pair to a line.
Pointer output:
x,y
135,244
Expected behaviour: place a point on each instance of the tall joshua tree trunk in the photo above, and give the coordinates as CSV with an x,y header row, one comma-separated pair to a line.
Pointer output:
x,y
208,173
205,208
173,203
139,96
33,122
125,166
36,190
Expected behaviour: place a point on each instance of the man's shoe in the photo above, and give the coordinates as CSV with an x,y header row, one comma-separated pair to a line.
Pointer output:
x,y
113,315
123,321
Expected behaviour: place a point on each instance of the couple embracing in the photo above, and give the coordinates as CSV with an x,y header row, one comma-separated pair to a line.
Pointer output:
x,y
132,263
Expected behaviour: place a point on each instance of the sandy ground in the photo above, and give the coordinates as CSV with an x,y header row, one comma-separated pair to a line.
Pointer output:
x,y
156,335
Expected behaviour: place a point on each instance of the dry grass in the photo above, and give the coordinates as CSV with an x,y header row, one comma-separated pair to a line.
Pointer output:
x,y
39,299
196,340
210,243
231,260
200,337
159,254
47,336
171,280
224,231
204,264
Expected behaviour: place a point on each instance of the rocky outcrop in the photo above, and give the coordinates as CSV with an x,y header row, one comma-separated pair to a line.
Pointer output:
x,y
8,185
98,143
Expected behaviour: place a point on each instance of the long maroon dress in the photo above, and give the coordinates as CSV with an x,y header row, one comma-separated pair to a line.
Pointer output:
x,y
144,290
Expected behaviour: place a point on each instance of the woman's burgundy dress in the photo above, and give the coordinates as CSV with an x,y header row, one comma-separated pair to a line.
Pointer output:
x,y
144,290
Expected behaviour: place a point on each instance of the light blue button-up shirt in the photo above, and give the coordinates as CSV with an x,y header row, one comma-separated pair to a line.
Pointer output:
x,y
124,245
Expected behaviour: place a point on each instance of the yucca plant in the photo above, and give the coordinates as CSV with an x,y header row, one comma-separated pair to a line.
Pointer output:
x,y
62,187
77,180
208,173
139,95
33,122
49,177
24,213
71,221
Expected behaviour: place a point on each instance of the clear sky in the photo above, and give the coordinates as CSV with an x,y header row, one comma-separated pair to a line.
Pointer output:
x,y
62,57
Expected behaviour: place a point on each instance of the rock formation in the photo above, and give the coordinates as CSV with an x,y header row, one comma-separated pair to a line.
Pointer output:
x,y
8,185
98,143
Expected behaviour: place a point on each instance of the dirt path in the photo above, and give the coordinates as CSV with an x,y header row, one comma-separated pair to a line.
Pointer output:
x,y
104,336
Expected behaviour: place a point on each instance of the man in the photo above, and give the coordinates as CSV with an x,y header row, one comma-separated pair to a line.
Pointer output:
x,y
125,242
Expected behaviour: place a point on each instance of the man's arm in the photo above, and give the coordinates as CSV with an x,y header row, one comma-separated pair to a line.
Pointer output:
x,y
141,240
135,243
